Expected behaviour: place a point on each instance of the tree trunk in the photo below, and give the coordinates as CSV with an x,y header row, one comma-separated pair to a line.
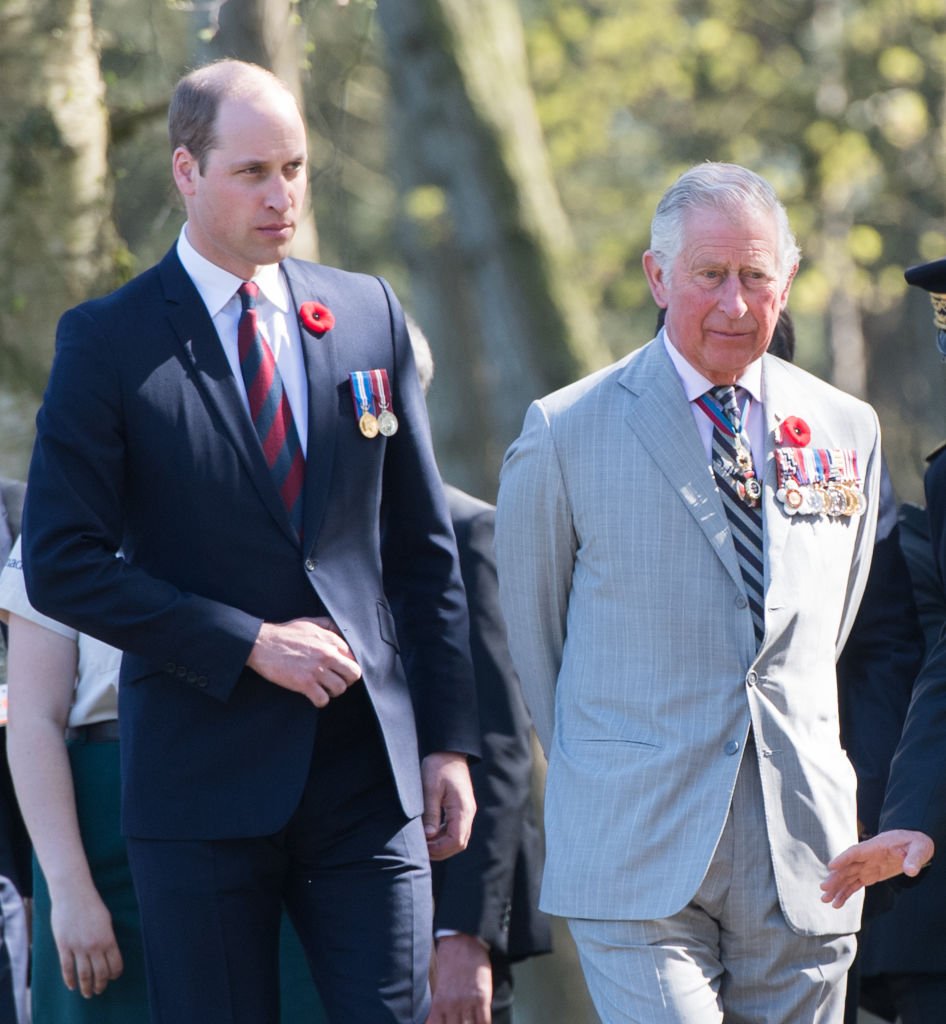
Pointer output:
x,y
844,320
488,244
268,33
57,240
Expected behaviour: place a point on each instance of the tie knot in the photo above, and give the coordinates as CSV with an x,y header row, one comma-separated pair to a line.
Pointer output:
x,y
725,394
248,291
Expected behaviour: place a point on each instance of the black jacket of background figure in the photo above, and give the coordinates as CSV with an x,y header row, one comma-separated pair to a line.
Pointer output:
x,y
491,890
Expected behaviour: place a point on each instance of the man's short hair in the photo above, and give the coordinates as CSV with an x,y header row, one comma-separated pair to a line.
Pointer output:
x,y
729,189
192,114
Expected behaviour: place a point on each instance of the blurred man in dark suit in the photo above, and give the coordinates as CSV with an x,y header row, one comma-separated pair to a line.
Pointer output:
x,y
903,961
486,913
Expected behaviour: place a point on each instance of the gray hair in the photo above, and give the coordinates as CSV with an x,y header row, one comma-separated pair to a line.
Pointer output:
x,y
731,190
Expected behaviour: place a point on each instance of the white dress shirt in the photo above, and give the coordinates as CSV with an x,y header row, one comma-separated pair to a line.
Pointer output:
x,y
277,321
695,384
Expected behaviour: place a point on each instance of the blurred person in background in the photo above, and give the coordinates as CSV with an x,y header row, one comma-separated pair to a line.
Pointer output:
x,y
486,915
903,955
15,873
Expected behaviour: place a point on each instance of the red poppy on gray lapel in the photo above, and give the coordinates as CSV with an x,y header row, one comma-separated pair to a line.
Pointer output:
x,y
794,431
316,318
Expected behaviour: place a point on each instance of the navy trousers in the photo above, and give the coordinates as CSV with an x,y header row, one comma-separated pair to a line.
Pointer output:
x,y
352,872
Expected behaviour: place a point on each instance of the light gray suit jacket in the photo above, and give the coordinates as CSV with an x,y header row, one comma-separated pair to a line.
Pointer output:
x,y
630,631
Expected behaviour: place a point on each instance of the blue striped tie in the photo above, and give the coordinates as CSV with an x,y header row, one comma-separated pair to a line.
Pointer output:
x,y
745,518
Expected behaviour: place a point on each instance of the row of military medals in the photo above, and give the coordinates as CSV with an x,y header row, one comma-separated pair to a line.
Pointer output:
x,y
371,393
819,481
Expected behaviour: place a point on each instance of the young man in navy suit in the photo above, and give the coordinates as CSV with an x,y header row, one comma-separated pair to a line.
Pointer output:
x,y
297,701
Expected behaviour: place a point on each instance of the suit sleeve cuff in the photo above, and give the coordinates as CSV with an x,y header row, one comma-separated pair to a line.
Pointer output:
x,y
445,933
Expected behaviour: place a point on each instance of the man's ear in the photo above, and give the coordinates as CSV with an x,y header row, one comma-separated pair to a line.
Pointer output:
x,y
656,279
185,171
783,298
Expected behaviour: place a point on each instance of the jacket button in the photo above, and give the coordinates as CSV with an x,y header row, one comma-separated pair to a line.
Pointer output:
x,y
170,668
752,677
310,565
192,677
732,747
181,672
741,602
201,681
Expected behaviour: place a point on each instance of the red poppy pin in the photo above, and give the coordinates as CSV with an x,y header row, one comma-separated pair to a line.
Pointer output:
x,y
794,431
316,318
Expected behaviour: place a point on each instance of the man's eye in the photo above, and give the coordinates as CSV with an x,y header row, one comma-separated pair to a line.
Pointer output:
x,y
756,279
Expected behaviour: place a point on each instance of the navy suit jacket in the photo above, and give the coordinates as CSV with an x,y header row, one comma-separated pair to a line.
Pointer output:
x,y
909,938
144,446
879,663
916,793
491,889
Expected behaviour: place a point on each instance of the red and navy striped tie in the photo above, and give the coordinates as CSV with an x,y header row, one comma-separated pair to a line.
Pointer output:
x,y
269,408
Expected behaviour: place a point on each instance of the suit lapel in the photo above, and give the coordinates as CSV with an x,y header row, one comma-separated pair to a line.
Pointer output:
x,y
195,330
660,416
320,363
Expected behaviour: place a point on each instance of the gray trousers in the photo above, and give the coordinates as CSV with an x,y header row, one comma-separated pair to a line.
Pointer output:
x,y
728,957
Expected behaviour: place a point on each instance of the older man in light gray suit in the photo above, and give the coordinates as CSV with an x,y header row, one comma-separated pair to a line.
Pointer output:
x,y
680,563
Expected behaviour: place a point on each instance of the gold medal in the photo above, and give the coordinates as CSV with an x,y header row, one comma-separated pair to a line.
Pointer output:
x,y
368,424
834,501
364,403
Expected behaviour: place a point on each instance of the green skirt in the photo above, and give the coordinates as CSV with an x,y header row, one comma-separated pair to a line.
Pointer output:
x,y
95,777
95,773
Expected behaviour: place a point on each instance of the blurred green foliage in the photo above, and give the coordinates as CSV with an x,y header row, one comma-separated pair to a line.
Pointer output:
x,y
839,104
836,103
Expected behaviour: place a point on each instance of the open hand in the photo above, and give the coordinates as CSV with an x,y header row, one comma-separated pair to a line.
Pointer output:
x,y
898,851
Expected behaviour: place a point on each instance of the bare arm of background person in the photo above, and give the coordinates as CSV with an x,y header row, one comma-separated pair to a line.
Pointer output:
x,y
41,675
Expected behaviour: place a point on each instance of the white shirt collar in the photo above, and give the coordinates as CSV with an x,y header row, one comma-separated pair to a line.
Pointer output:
x,y
695,384
217,286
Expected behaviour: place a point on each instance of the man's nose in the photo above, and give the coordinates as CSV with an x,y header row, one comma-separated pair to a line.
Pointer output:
x,y
279,196
732,300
